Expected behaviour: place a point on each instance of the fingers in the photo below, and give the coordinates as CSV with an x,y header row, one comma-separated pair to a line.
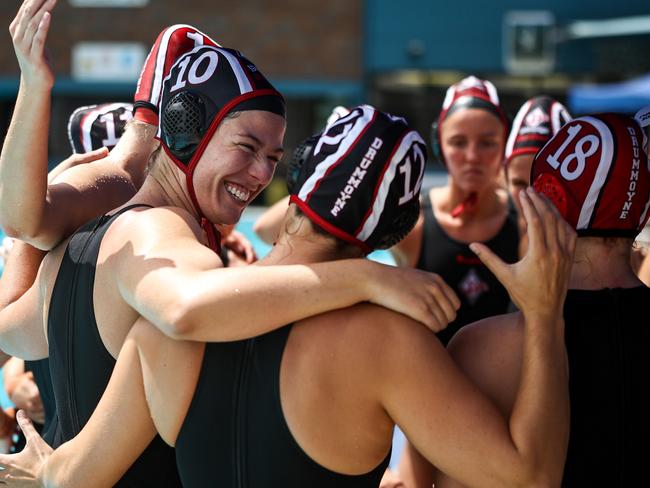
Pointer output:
x,y
493,262
241,246
445,299
90,156
29,24
550,218
25,13
449,293
38,44
557,230
566,233
533,221
251,257
438,315
442,303
26,425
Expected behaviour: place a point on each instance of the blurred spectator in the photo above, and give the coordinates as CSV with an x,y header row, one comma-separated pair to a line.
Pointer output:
x,y
469,138
538,120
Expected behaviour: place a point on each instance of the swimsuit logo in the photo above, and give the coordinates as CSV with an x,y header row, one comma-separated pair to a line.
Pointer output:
x,y
472,287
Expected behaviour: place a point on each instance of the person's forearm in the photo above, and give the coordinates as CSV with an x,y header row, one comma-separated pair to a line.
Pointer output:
x,y
118,431
267,226
133,150
23,163
19,272
21,325
237,303
540,418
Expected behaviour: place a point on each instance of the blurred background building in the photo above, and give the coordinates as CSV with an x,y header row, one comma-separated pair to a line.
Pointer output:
x,y
397,54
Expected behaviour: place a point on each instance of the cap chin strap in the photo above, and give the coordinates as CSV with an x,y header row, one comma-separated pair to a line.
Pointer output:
x,y
465,206
213,235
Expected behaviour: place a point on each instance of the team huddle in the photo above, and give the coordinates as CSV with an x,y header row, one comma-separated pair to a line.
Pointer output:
x,y
507,344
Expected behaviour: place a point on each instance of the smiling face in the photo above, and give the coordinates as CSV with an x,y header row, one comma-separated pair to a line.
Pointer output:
x,y
472,141
238,164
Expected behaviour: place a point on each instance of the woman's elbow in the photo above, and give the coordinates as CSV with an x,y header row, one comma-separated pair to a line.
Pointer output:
x,y
181,321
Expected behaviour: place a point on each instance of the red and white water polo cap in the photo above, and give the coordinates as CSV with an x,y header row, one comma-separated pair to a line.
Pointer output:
x,y
472,92
94,126
595,170
539,119
362,181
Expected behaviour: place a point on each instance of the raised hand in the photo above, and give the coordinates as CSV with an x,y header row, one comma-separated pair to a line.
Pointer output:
x,y
29,32
25,396
23,470
538,282
421,295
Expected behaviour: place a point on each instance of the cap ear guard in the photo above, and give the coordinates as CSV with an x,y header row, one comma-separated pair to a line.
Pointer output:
x,y
301,154
402,224
184,124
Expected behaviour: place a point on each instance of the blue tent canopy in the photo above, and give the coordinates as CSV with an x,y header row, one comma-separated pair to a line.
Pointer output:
x,y
628,97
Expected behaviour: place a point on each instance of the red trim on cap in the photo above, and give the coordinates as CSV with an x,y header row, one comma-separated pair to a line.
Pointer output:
x,y
533,137
146,115
145,81
521,151
329,227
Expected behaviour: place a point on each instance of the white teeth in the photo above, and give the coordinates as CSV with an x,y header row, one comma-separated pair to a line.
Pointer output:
x,y
242,195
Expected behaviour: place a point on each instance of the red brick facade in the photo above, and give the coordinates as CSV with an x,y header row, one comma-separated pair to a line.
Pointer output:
x,y
290,39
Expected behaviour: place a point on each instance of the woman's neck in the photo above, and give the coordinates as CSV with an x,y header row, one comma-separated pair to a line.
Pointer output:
x,y
164,186
477,205
599,264
299,243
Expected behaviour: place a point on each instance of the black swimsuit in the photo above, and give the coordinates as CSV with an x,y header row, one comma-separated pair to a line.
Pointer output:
x,y
480,293
235,434
79,362
608,344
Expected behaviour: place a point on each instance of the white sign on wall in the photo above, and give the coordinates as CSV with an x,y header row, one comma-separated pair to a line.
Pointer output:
x,y
529,42
107,61
109,3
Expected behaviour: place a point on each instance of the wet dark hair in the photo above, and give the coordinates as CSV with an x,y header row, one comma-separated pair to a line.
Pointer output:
x,y
341,246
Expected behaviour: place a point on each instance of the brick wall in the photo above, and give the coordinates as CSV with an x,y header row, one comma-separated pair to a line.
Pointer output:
x,y
302,39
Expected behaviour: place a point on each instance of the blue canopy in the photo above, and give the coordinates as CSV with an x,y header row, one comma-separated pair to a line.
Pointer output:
x,y
628,97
